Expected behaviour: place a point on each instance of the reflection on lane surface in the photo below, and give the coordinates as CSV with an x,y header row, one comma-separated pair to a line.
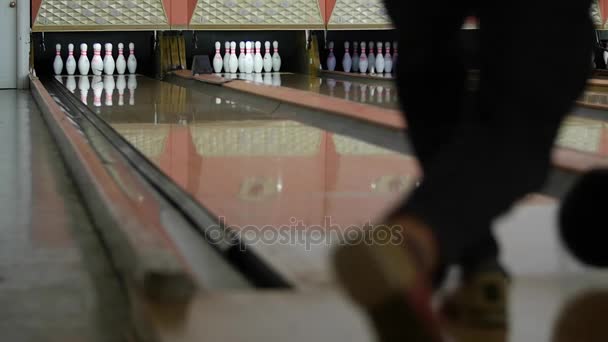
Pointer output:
x,y
253,169
381,93
250,168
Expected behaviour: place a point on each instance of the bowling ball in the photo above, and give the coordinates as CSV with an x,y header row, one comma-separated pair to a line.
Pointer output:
x,y
583,219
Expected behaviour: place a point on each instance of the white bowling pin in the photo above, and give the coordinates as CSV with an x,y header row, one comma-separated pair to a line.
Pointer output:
x,y
58,62
248,58
108,61
380,59
121,62
83,61
132,60
84,86
258,61
234,61
605,55
331,58
242,57
371,59
109,85
97,62
227,57
71,83
388,59
70,63
218,62
363,62
355,57
267,58
395,55
347,61
276,58
97,86
121,85
132,85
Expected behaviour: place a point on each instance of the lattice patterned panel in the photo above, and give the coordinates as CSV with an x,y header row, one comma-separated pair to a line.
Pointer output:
x,y
359,13
100,15
595,98
149,140
349,146
256,139
596,14
226,14
581,134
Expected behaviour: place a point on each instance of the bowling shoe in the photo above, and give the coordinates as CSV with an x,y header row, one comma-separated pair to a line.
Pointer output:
x,y
482,298
385,281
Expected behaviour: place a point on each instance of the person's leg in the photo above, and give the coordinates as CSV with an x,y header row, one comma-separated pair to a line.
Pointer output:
x,y
490,164
431,81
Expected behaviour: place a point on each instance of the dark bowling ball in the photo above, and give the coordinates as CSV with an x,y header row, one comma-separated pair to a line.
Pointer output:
x,y
583,219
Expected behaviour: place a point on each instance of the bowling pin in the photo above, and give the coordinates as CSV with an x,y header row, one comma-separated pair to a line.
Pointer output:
x,y
84,86
371,59
388,59
234,61
380,59
248,58
83,61
132,60
227,57
108,61
121,85
242,57
97,86
109,85
331,58
363,62
218,62
121,62
132,85
267,58
258,61
71,83
605,55
355,57
347,61
97,62
58,62
395,55
276,58
70,63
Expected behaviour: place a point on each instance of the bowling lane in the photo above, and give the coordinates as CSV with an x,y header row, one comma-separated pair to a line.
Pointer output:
x,y
262,173
258,173
375,92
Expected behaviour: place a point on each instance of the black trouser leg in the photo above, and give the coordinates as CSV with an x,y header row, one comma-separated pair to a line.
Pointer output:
x,y
431,80
490,163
